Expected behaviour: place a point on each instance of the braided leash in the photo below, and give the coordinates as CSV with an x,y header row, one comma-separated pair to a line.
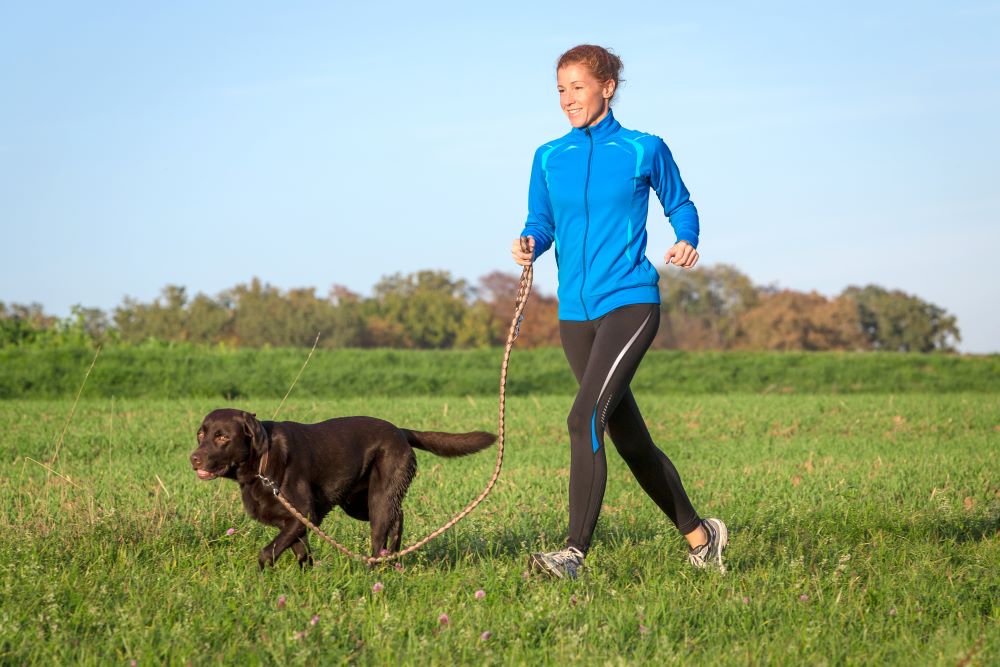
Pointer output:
x,y
523,290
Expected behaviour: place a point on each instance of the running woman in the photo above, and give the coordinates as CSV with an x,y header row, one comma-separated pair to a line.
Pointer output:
x,y
589,197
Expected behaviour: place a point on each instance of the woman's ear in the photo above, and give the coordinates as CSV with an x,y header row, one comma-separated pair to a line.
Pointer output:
x,y
259,441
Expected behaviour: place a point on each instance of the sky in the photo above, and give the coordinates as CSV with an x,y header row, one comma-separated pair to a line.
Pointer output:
x,y
312,144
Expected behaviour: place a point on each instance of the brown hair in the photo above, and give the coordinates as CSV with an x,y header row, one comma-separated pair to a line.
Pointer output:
x,y
602,63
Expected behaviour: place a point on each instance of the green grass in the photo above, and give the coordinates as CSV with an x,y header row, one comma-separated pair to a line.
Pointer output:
x,y
865,530
183,371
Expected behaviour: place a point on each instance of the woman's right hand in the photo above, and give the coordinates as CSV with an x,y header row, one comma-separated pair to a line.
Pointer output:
x,y
520,257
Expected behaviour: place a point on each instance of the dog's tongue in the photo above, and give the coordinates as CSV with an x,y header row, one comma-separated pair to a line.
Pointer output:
x,y
204,474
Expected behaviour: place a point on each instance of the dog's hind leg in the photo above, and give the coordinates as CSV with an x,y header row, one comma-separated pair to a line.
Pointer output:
x,y
396,533
386,490
380,514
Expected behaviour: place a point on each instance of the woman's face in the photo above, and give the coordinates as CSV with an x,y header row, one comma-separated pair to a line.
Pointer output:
x,y
582,97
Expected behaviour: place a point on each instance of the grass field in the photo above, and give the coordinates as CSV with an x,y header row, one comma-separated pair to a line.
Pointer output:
x,y
865,530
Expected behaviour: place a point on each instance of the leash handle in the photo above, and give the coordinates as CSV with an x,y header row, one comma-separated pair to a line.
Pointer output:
x,y
526,244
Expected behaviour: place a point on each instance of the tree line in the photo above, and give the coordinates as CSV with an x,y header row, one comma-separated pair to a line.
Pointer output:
x,y
711,308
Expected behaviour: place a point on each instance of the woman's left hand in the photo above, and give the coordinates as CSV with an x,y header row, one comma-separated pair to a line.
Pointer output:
x,y
682,254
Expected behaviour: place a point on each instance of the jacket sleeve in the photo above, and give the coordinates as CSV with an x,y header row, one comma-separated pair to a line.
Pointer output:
x,y
541,222
665,179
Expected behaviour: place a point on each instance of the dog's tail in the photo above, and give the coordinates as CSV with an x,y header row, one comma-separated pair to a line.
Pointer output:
x,y
449,444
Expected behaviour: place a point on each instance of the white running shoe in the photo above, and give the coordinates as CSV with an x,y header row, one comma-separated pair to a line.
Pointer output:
x,y
558,564
710,553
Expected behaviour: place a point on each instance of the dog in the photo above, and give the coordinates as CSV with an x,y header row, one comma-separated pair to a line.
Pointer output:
x,y
362,464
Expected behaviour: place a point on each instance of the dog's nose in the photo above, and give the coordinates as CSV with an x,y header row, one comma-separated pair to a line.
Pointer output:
x,y
196,460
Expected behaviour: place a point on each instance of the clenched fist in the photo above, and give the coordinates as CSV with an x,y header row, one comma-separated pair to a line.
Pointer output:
x,y
520,257
682,254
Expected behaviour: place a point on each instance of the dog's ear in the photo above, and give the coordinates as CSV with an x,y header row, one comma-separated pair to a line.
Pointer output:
x,y
254,430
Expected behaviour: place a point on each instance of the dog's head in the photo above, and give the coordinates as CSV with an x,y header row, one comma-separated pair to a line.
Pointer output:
x,y
226,439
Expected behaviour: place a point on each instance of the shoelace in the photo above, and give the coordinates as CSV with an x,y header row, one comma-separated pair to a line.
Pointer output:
x,y
566,555
697,557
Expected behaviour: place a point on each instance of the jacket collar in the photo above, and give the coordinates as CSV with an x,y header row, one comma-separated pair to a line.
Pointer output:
x,y
602,130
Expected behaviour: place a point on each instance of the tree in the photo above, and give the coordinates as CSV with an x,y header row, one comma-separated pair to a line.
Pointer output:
x,y
22,324
790,320
540,327
426,310
894,320
714,307
701,307
160,320
264,315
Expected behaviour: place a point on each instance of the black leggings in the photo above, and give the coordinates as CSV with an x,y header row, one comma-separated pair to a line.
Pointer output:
x,y
604,355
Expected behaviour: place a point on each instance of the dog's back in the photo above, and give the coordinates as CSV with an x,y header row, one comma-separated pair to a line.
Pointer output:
x,y
355,431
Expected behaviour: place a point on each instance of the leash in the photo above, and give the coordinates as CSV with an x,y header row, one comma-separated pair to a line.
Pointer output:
x,y
523,290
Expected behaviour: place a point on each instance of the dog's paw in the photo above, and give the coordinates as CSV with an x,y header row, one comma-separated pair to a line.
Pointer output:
x,y
265,558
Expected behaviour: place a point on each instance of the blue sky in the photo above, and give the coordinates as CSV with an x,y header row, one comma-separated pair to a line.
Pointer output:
x,y
310,144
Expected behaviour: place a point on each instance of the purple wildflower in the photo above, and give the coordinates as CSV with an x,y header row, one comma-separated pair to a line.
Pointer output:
x,y
377,587
486,635
314,620
443,619
746,600
480,594
281,602
803,598
231,531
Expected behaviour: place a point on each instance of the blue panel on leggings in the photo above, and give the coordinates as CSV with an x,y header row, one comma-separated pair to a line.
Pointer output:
x,y
593,431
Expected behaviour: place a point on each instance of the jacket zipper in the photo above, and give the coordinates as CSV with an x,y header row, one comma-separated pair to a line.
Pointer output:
x,y
586,228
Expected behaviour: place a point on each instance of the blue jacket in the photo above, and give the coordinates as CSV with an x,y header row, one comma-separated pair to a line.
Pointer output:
x,y
589,195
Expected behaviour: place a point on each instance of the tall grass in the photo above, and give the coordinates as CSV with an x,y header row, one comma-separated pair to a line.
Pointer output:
x,y
184,371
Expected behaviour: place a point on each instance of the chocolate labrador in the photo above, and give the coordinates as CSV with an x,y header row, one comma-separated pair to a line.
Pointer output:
x,y
362,464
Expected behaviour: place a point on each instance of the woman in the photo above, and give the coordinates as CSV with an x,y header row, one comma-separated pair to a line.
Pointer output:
x,y
588,196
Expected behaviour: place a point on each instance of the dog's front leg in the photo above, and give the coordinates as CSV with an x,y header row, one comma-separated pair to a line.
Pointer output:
x,y
291,532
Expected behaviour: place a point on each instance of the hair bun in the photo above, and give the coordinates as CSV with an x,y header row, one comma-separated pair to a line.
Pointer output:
x,y
602,63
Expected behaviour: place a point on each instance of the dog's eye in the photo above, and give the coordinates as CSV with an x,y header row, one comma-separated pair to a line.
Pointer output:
x,y
201,435
221,438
